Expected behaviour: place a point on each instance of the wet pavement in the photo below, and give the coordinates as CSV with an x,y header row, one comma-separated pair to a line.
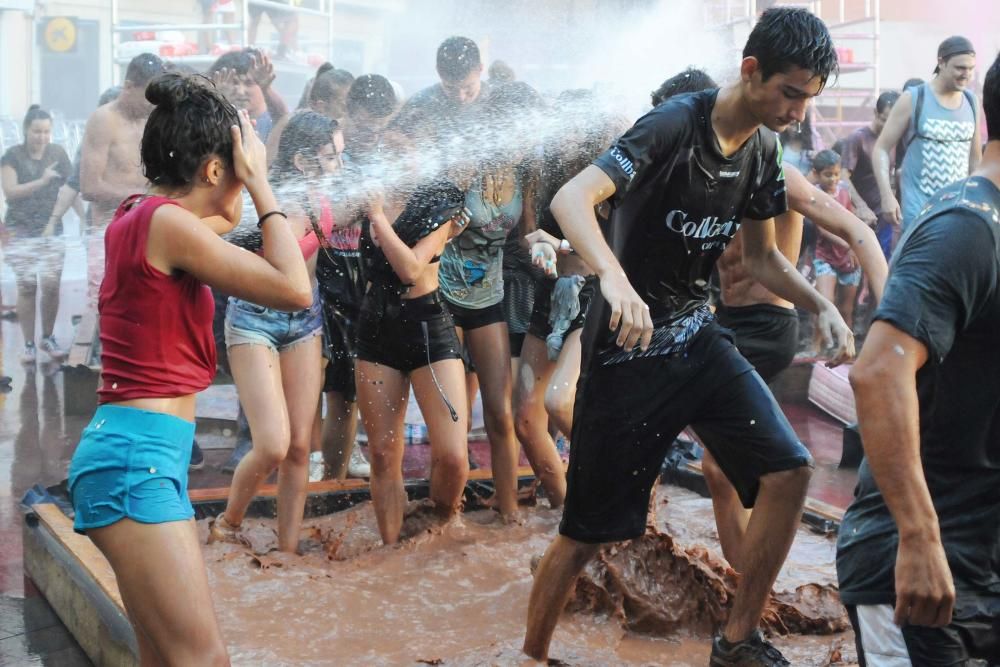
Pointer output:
x,y
37,440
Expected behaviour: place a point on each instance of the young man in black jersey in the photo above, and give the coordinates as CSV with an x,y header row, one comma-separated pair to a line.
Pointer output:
x,y
682,181
918,556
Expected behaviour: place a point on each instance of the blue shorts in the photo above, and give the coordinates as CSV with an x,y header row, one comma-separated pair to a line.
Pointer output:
x,y
250,324
845,278
133,464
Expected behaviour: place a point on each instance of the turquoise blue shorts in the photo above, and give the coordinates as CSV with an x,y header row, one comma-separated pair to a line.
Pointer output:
x,y
131,463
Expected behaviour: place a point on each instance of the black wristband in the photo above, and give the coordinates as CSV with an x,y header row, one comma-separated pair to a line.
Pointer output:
x,y
260,221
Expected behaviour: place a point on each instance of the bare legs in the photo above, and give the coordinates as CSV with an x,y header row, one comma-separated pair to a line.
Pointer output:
x,y
489,347
531,419
731,518
554,580
339,436
278,394
449,438
382,394
174,624
34,274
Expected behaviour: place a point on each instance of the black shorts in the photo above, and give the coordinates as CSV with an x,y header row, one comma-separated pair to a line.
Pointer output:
x,y
880,641
767,335
395,336
539,326
340,333
627,415
476,318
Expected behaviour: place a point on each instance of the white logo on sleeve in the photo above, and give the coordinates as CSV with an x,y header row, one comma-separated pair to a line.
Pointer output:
x,y
624,162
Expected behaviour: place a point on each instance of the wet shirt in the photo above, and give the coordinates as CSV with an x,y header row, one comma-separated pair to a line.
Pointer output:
x,y
943,291
428,208
837,256
857,159
338,269
677,204
471,271
31,214
430,113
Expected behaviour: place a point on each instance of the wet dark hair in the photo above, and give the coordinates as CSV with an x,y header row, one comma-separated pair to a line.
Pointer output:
x,y
501,72
35,112
239,61
787,37
191,122
372,93
825,159
457,57
691,80
991,101
143,68
306,132
328,81
886,101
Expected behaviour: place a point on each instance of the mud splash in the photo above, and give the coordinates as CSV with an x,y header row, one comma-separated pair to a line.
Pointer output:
x,y
457,594
655,586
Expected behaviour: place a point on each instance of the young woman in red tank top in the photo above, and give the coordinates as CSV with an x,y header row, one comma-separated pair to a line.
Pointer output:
x,y
277,357
128,477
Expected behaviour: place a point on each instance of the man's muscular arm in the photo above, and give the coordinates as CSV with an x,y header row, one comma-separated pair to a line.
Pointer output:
x,y
831,217
573,209
892,134
885,386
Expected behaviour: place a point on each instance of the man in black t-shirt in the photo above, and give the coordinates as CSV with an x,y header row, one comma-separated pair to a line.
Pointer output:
x,y
681,182
918,555
440,113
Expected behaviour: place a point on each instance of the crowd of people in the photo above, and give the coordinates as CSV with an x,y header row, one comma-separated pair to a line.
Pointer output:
x,y
605,284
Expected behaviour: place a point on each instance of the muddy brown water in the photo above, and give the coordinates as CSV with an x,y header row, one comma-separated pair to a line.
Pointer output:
x,y
458,595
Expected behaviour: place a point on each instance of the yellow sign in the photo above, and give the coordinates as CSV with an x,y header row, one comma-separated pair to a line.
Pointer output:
x,y
60,34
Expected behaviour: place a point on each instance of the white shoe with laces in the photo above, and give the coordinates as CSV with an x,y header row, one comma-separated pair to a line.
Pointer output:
x,y
30,354
358,465
50,346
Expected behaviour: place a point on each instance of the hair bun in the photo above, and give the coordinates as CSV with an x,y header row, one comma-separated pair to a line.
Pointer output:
x,y
34,107
169,90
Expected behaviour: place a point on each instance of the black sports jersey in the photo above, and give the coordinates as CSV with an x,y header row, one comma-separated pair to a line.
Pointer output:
x,y
677,204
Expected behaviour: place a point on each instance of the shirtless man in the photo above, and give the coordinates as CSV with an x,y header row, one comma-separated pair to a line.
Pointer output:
x,y
766,326
110,168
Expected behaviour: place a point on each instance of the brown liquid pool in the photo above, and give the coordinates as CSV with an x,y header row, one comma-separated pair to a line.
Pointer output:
x,y
458,594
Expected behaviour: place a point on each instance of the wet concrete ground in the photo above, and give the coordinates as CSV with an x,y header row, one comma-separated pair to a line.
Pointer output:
x,y
37,441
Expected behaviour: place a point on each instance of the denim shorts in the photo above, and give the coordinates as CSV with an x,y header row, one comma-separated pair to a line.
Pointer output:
x,y
845,278
133,464
250,324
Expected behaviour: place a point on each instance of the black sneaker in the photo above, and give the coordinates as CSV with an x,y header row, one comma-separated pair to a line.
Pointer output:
x,y
754,651
197,458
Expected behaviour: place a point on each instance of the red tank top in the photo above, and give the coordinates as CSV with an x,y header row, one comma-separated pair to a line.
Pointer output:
x,y
156,329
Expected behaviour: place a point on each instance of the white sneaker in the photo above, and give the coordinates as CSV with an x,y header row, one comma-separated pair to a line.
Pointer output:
x,y
316,467
50,347
358,465
29,355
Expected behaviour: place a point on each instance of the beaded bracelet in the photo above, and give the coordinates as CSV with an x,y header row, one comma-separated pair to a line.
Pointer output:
x,y
260,221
